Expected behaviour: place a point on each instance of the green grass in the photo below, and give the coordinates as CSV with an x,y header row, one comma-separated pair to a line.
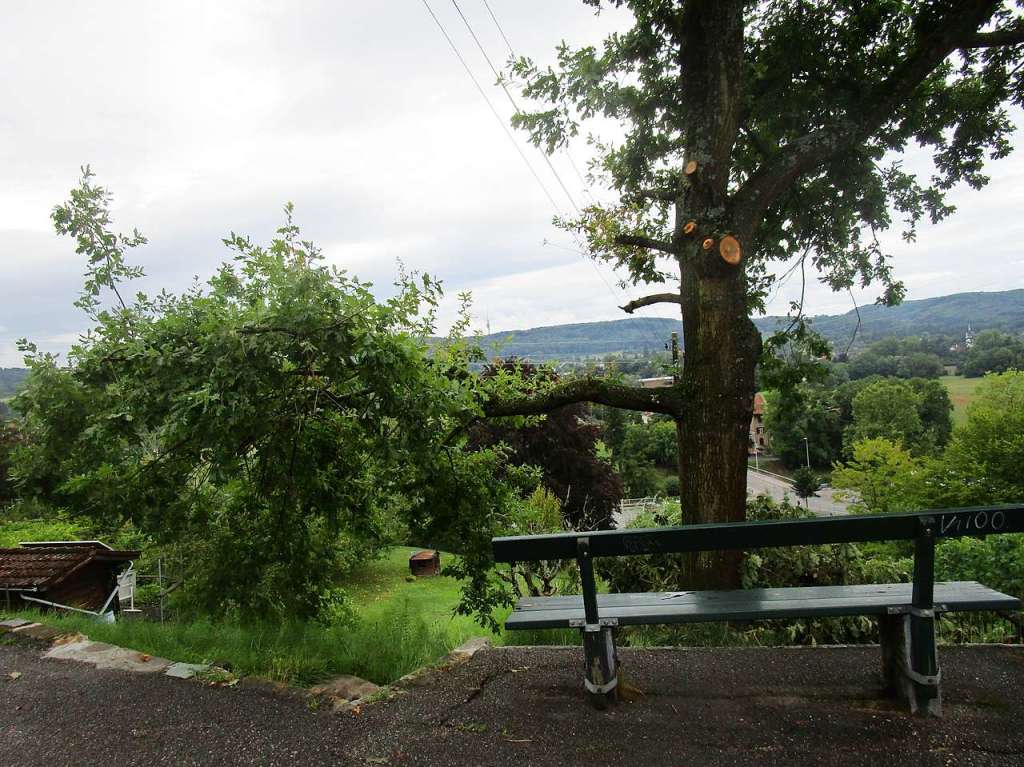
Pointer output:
x,y
381,649
398,626
961,392
379,585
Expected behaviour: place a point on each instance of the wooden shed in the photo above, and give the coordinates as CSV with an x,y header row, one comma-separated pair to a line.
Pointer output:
x,y
77,574
425,563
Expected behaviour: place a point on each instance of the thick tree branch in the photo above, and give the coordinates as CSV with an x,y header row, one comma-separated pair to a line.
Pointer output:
x,y
649,243
601,391
940,37
665,195
656,298
1009,36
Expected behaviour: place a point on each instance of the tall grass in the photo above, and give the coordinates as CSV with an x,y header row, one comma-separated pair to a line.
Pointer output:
x,y
392,643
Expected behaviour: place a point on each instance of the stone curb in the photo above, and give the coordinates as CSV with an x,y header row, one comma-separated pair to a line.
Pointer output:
x,y
79,648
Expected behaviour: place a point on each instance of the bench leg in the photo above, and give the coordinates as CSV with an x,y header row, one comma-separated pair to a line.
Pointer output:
x,y
601,675
910,667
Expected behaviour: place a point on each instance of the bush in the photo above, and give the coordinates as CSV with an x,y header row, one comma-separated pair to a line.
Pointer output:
x,y
996,562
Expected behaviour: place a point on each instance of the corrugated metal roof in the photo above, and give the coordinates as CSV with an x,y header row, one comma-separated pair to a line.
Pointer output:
x,y
43,567
423,555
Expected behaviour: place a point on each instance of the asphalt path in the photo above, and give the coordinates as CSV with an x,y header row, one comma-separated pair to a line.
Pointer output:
x,y
524,706
824,504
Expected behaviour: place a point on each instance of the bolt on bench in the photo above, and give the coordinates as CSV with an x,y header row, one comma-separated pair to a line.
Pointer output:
x,y
906,611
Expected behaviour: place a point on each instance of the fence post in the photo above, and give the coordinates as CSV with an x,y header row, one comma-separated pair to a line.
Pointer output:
x,y
160,584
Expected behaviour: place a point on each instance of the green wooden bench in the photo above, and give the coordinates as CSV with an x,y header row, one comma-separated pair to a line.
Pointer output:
x,y
906,611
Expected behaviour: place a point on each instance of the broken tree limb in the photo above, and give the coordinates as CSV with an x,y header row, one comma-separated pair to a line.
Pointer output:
x,y
640,241
655,298
1009,36
595,389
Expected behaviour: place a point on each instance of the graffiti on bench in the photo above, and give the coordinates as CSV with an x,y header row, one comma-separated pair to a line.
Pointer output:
x,y
971,522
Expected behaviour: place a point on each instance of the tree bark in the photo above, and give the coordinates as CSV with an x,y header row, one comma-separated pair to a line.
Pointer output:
x,y
722,348
721,344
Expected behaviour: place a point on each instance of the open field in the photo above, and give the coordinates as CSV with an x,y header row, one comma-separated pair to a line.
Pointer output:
x,y
961,392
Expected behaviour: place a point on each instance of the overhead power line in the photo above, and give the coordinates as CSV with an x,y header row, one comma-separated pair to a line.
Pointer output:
x,y
568,155
501,81
494,111
500,30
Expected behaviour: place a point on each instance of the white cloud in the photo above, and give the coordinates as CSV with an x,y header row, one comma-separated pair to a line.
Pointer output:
x,y
206,117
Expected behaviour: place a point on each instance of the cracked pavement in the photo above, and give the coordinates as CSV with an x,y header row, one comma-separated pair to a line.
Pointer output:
x,y
505,706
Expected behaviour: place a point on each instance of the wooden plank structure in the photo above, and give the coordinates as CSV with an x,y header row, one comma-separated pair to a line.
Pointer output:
x,y
80,575
906,612
425,563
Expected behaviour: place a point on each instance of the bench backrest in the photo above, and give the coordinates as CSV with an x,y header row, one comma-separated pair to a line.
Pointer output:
x,y
943,523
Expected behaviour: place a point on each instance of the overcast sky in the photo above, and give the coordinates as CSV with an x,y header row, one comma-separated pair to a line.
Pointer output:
x,y
206,117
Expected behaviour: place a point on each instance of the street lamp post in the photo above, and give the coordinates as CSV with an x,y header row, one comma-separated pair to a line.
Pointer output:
x,y
807,451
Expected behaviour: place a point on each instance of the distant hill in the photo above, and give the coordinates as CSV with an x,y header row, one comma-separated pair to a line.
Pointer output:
x,y
640,335
944,315
10,380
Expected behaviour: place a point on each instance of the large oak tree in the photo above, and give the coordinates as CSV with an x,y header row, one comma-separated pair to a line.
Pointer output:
x,y
756,132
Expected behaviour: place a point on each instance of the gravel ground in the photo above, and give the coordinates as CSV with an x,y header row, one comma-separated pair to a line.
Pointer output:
x,y
523,706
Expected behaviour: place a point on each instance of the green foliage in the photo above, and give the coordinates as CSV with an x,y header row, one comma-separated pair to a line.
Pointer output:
x,y
996,561
615,420
653,442
882,476
987,451
806,410
886,409
901,358
993,352
10,439
916,413
260,423
806,483
14,532
540,513
86,217
640,479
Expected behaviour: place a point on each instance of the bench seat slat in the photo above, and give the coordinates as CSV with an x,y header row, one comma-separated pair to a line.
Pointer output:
x,y
897,591
752,604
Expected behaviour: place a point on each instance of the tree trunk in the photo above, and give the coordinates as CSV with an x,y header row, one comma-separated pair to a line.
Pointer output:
x,y
722,350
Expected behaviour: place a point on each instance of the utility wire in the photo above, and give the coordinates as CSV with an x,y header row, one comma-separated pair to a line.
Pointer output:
x,y
494,111
565,149
502,31
511,138
501,81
